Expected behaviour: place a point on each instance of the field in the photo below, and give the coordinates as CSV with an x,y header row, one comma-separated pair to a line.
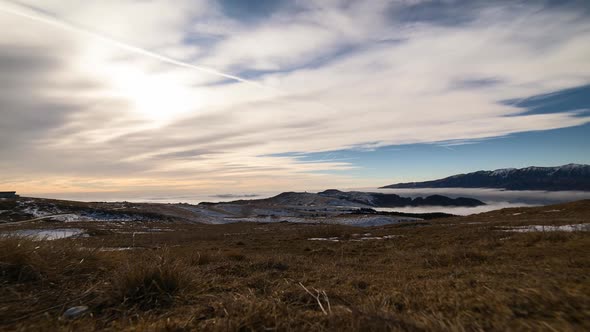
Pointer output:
x,y
480,272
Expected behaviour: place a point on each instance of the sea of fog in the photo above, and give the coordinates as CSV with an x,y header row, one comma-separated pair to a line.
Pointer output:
x,y
143,197
494,198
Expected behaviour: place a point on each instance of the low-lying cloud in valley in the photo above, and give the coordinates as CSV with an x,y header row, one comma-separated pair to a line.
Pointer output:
x,y
494,198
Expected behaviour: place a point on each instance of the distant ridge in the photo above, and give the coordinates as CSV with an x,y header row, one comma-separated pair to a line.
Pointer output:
x,y
333,197
566,177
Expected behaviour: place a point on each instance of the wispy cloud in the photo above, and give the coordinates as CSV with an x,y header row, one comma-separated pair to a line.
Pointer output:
x,y
139,92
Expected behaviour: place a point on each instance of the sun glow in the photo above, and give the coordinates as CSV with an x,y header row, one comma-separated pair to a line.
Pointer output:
x,y
153,96
156,97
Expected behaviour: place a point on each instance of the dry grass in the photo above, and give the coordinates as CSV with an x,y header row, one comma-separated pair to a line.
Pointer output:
x,y
25,261
453,274
148,282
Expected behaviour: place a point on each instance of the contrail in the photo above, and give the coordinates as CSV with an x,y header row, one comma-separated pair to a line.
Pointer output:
x,y
36,14
447,147
39,15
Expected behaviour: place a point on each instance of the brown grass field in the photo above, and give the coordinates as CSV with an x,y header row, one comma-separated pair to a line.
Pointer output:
x,y
452,274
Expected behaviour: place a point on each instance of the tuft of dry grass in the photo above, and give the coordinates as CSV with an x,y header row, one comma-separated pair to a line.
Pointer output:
x,y
235,256
20,261
152,281
23,260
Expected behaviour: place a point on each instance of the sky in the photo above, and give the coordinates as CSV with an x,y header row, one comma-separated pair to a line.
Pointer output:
x,y
247,96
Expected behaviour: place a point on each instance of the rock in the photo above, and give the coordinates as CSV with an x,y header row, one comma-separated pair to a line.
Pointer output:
x,y
75,312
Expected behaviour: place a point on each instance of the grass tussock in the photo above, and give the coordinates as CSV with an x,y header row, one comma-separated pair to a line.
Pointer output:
x,y
20,261
459,257
199,258
235,255
23,260
153,281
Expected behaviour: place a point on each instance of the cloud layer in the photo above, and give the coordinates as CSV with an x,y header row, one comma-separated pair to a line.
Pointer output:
x,y
89,101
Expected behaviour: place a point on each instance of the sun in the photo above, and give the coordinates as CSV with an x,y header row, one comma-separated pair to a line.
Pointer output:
x,y
154,97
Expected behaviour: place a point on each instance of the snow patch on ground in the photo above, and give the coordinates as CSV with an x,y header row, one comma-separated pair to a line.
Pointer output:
x,y
331,239
368,221
267,219
67,217
99,216
48,234
368,238
355,238
65,214
548,228
35,212
118,248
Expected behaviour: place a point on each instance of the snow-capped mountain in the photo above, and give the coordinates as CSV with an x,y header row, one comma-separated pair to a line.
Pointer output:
x,y
566,177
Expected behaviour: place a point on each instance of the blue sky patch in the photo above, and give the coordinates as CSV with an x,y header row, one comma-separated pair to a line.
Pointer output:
x,y
567,100
250,10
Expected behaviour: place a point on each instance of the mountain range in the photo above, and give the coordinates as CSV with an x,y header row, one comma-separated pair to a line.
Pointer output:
x,y
566,177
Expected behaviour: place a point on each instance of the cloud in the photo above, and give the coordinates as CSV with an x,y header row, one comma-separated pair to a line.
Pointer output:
x,y
475,83
125,104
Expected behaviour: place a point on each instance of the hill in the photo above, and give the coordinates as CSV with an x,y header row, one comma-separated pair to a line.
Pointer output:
x,y
506,270
393,200
566,177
